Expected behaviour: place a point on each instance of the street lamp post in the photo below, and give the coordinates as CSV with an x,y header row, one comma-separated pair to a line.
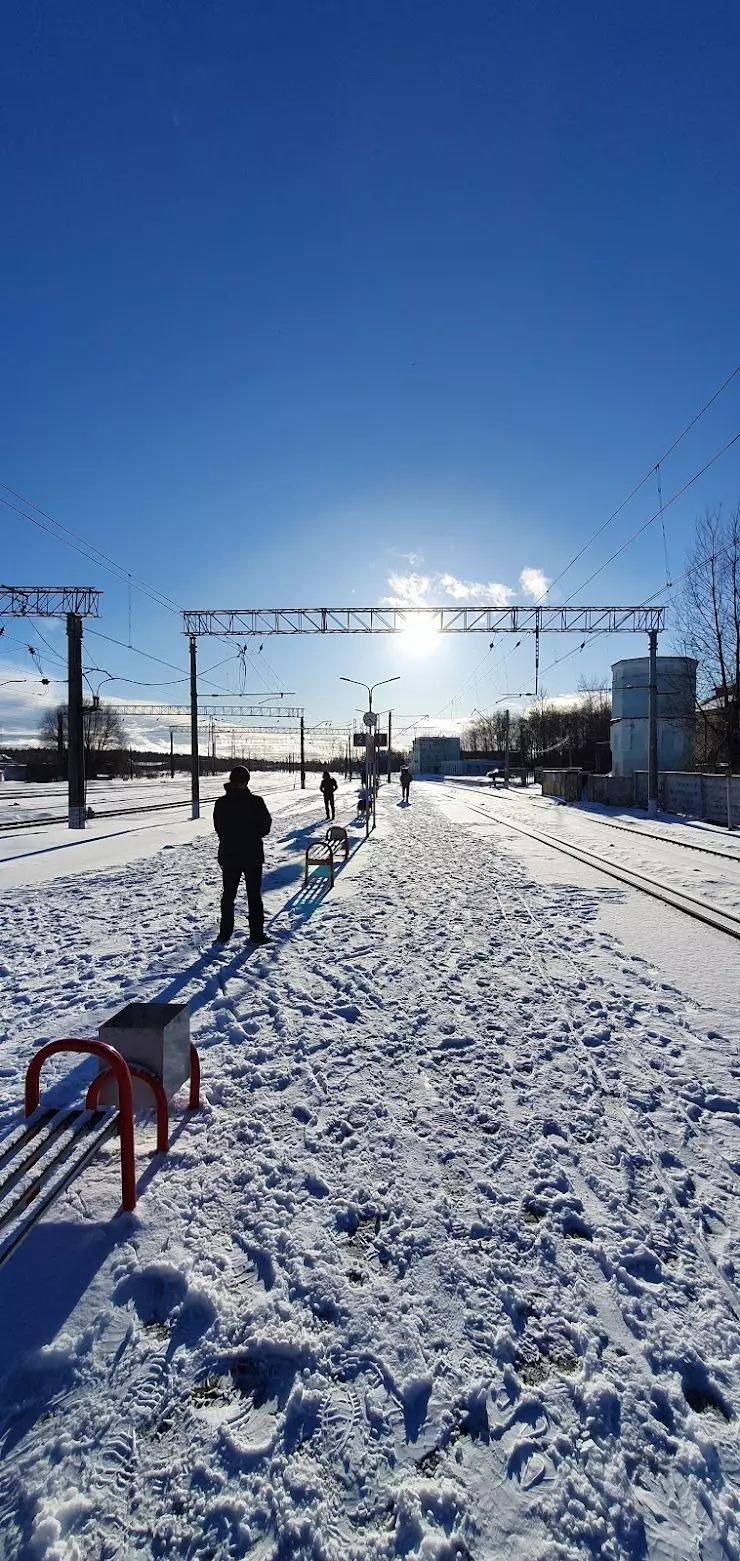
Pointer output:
x,y
370,750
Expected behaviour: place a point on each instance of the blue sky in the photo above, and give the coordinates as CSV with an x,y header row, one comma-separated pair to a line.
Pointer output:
x,y
291,292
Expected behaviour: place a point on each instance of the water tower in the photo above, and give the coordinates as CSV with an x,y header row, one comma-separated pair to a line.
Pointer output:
x,y
676,677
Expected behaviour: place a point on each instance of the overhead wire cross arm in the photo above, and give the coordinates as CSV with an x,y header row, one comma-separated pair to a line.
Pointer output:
x,y
73,602
259,712
49,601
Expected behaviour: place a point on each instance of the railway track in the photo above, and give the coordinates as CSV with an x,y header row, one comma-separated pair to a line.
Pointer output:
x,y
61,818
667,840
722,921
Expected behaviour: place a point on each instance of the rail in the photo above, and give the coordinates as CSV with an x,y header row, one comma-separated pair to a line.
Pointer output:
x,y
721,921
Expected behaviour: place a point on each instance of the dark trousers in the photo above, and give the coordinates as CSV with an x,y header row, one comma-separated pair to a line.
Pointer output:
x,y
405,791
329,804
232,877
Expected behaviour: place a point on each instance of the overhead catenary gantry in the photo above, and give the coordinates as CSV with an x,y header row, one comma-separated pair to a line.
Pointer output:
x,y
250,712
73,602
263,621
49,601
396,619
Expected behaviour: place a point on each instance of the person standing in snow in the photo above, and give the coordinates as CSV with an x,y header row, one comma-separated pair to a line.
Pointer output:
x,y
241,821
405,783
328,787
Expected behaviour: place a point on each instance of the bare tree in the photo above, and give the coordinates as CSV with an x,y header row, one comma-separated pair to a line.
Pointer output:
x,y
576,733
103,728
709,628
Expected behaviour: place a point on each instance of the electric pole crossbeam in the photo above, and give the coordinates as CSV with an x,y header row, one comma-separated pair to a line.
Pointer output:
x,y
265,621
49,601
73,602
251,712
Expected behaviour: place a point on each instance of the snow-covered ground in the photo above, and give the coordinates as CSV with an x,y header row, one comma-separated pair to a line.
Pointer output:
x,y
33,855
21,802
446,1265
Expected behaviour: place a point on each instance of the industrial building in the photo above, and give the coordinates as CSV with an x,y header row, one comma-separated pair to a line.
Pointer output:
x,y
676,714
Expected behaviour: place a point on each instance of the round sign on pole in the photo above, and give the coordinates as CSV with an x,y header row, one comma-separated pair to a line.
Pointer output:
x,y
370,718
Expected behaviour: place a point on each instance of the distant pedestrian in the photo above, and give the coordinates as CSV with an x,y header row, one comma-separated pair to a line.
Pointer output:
x,y
328,787
241,821
405,783
363,802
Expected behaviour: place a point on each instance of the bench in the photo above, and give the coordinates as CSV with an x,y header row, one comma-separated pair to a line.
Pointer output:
x,y
322,853
53,1146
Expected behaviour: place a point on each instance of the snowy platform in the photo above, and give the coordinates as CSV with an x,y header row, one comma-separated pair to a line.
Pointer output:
x,y
446,1266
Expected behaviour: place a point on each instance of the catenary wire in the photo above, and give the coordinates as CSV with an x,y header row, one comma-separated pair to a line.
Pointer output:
x,y
664,457
656,516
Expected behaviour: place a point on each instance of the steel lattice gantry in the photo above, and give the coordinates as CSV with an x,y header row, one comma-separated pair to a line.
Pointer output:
x,y
49,601
73,602
253,712
483,619
264,621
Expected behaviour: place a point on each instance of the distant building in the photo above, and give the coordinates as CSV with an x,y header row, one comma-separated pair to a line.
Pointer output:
x,y
444,756
676,714
429,755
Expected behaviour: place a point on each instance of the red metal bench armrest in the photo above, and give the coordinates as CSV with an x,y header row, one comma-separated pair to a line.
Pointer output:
x,y
119,1067
138,1071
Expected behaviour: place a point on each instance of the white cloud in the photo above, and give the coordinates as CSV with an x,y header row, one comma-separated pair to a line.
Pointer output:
x,y
408,591
415,590
492,594
407,558
534,583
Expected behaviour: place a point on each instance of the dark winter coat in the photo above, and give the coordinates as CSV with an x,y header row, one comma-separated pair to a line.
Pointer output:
x,y
241,821
328,785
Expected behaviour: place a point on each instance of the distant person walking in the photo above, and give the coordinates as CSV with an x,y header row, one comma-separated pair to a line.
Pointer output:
x,y
241,821
328,787
405,783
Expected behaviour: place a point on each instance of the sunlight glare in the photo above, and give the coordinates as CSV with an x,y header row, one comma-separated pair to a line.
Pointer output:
x,y
419,635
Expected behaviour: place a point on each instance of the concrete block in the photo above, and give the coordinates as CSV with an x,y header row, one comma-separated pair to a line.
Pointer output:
x,y
156,1035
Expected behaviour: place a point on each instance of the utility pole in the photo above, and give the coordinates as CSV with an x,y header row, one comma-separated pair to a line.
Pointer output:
x,y
653,725
303,755
75,722
390,730
60,745
507,747
172,753
194,770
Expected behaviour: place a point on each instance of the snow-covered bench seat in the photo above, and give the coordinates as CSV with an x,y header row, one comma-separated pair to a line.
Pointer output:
x,y
323,853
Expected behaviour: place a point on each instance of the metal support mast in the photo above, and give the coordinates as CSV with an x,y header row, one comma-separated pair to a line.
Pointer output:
x,y
303,755
75,724
194,766
73,602
653,726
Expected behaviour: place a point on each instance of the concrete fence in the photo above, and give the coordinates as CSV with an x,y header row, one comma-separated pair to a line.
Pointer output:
x,y
566,784
715,798
614,791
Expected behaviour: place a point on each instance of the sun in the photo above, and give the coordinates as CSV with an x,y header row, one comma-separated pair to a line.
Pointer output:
x,y
419,635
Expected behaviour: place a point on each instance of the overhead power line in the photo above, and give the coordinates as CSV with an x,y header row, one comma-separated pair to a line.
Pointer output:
x,y
656,516
661,459
89,550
